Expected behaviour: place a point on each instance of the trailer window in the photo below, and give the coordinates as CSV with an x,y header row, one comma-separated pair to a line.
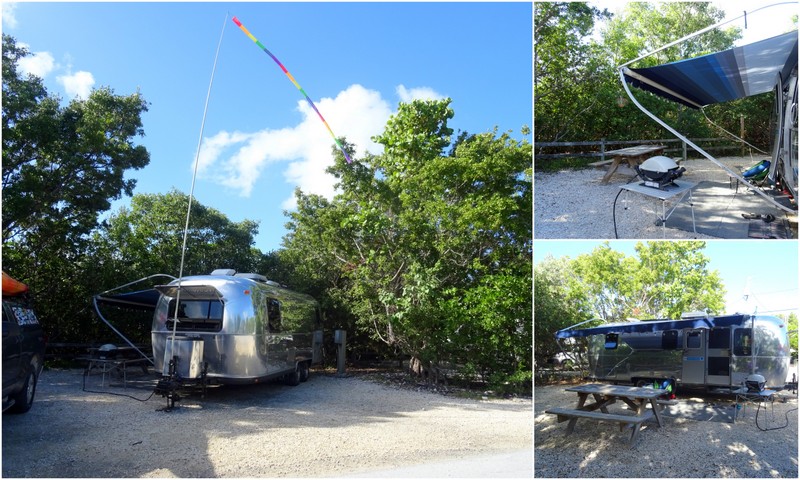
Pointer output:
x,y
743,341
196,315
669,340
693,340
719,338
274,315
612,340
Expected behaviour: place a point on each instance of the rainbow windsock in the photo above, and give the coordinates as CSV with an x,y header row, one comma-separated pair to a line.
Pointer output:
x,y
308,99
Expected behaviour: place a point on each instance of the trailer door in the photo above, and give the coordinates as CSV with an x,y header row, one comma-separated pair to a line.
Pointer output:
x,y
719,357
694,357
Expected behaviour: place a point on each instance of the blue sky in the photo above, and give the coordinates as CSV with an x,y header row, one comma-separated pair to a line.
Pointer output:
x,y
261,140
770,267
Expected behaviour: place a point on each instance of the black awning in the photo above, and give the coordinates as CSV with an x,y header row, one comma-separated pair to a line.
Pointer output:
x,y
723,76
654,326
142,299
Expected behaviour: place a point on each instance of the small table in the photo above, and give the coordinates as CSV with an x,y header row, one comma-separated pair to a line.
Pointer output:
x,y
745,396
633,155
117,360
678,190
604,395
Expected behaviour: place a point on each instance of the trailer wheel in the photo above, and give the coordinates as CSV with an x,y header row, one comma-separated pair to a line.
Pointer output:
x,y
304,371
293,378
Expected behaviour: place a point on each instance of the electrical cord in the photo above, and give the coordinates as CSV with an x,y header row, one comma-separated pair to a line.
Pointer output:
x,y
765,411
116,394
614,208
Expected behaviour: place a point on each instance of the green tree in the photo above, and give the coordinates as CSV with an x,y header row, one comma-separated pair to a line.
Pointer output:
x,y
665,280
420,244
62,166
567,66
558,303
147,238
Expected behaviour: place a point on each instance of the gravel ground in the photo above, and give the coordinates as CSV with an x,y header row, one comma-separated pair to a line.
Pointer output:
x,y
682,448
574,204
328,426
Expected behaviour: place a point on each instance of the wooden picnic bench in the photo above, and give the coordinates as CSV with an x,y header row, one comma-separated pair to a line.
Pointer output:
x,y
625,421
636,398
634,156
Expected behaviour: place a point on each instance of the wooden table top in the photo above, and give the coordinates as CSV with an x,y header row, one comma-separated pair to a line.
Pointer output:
x,y
636,151
618,391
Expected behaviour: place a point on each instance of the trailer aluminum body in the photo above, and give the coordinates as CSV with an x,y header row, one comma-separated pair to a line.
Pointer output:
x,y
251,329
696,352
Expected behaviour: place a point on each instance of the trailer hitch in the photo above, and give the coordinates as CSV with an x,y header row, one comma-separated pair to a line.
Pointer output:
x,y
173,386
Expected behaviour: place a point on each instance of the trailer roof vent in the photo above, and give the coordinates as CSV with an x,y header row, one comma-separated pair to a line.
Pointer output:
x,y
224,271
696,314
253,276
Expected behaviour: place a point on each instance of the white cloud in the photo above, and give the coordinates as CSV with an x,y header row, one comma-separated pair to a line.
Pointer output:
x,y
9,14
39,64
78,84
237,160
420,93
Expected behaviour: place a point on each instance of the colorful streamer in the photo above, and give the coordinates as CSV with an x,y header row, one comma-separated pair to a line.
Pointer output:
x,y
308,99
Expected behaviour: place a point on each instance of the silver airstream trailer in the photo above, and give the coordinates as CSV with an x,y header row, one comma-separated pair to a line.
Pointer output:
x,y
235,328
704,352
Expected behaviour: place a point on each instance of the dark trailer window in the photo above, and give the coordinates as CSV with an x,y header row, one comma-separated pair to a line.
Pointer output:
x,y
197,315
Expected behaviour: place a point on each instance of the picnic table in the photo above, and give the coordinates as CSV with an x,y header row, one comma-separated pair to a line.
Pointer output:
x,y
636,398
634,156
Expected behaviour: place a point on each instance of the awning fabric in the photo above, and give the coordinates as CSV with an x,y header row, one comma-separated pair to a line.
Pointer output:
x,y
720,77
142,299
654,326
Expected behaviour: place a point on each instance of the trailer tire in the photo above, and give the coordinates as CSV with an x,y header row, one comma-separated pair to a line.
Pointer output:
x,y
292,378
304,371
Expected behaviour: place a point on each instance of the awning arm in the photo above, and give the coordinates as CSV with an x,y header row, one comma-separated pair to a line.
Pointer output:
x,y
626,71
134,283
100,314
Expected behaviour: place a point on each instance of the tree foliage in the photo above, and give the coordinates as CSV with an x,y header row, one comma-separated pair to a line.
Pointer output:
x,y
147,238
427,252
62,166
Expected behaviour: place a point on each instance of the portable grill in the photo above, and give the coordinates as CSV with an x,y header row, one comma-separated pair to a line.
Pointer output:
x,y
755,383
659,171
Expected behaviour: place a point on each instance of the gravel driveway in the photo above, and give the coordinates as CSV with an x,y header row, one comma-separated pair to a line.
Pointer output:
x,y
683,448
328,426
574,204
